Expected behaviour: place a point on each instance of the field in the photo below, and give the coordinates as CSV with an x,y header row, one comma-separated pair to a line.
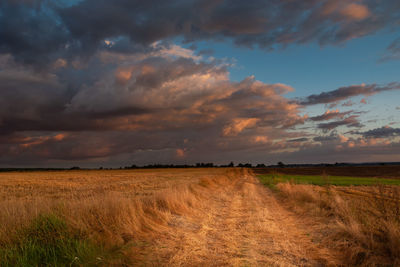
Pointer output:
x,y
200,216
385,171
357,208
325,180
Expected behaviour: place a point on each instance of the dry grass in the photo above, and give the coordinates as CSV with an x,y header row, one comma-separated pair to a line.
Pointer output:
x,y
190,217
124,210
363,224
208,217
114,208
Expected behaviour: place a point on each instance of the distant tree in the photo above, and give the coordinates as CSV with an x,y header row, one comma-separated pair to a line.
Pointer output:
x,y
261,165
204,165
231,164
100,168
281,164
245,165
75,168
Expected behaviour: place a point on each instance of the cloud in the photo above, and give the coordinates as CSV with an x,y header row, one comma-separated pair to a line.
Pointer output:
x,y
354,11
382,132
180,153
151,107
302,139
260,139
131,104
30,31
350,121
392,51
348,103
40,31
94,80
330,114
343,93
326,138
238,125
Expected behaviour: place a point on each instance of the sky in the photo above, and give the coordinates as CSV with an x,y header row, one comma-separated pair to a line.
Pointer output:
x,y
94,83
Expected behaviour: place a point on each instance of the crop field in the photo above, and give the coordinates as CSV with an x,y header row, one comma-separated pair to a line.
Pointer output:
x,y
77,184
198,217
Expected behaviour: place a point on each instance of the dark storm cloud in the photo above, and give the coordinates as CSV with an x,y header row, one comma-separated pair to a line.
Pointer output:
x,y
343,93
116,104
30,30
350,121
263,23
91,79
39,30
31,101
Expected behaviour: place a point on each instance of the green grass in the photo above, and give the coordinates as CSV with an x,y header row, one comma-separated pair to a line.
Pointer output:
x,y
47,241
271,179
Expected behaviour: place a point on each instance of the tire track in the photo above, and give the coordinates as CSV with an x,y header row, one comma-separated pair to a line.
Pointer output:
x,y
240,224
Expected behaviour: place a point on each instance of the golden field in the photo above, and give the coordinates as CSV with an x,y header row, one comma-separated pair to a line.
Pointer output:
x,y
192,217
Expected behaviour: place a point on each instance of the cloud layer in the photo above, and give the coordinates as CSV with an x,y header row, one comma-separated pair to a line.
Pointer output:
x,y
39,31
105,81
116,104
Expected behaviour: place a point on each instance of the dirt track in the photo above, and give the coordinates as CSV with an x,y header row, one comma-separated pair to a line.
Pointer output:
x,y
240,223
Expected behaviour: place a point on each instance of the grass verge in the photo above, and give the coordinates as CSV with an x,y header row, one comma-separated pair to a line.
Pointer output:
x,y
272,179
48,241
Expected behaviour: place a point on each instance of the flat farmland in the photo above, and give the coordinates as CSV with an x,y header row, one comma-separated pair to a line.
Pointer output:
x,y
85,183
358,205
194,217
163,217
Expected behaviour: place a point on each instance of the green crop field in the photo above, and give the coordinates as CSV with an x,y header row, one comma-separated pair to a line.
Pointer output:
x,y
270,179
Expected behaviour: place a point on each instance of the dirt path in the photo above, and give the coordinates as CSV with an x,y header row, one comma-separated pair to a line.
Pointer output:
x,y
239,223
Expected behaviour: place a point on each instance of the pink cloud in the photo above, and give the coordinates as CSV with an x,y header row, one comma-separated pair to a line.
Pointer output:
x,y
238,125
180,153
354,11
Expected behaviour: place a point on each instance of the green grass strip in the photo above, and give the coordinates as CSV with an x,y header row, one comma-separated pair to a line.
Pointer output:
x,y
47,241
272,179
